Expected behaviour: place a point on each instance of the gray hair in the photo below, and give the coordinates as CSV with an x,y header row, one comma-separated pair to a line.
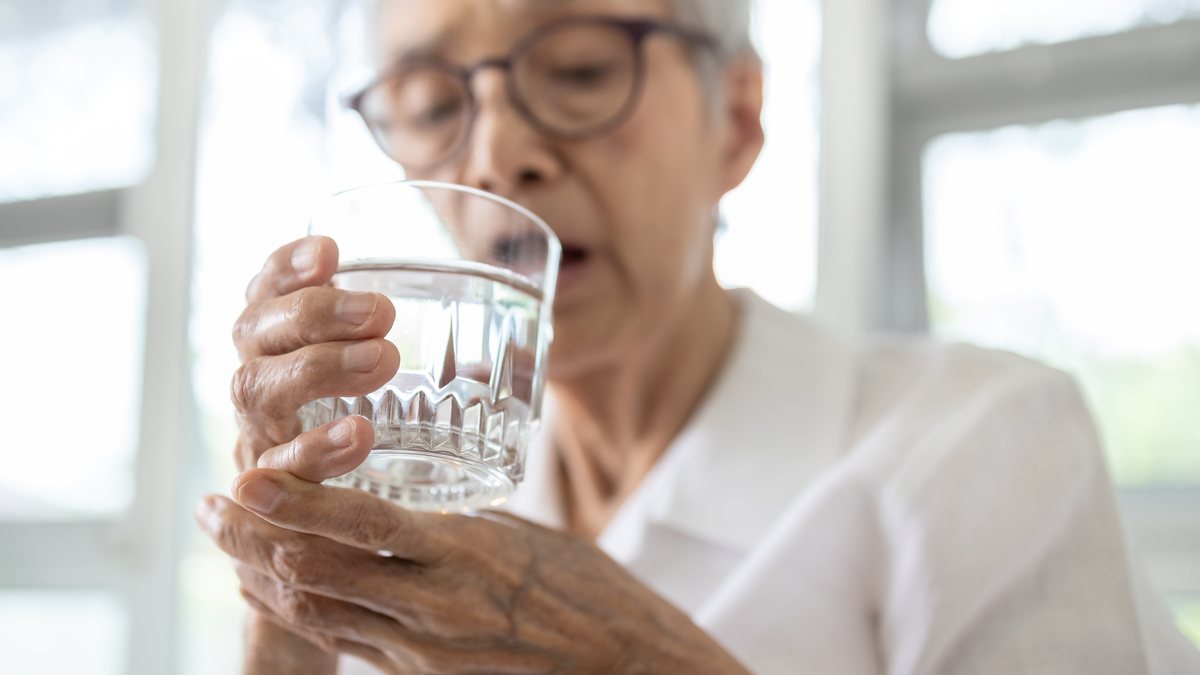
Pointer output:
x,y
726,20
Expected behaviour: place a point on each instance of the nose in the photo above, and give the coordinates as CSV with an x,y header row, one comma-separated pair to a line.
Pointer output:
x,y
506,153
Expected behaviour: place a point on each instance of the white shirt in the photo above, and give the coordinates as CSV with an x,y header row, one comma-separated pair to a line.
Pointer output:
x,y
908,508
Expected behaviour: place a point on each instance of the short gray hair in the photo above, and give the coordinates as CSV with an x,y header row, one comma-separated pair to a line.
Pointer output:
x,y
726,20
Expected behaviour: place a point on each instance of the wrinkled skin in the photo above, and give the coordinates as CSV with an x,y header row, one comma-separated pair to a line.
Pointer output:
x,y
430,593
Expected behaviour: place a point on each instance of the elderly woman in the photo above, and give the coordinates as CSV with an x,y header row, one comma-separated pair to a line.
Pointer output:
x,y
720,486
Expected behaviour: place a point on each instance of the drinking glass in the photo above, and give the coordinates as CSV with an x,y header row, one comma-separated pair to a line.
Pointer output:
x,y
472,277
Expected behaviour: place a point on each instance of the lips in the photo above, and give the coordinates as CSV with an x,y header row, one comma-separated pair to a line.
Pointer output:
x,y
574,263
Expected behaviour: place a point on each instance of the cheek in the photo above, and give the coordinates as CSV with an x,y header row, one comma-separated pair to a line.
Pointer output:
x,y
661,167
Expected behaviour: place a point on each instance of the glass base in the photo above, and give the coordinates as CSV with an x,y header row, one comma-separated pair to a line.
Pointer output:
x,y
428,481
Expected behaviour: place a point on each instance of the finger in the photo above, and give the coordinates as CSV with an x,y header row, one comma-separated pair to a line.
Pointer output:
x,y
351,517
310,316
313,613
275,387
323,642
337,623
306,262
328,451
315,564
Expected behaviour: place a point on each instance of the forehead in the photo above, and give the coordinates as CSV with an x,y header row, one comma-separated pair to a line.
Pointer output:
x,y
483,26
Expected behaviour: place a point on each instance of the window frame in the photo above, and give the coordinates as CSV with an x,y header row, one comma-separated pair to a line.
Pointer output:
x,y
136,553
931,95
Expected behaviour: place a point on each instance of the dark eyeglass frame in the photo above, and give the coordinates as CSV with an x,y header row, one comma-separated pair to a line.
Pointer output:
x,y
637,30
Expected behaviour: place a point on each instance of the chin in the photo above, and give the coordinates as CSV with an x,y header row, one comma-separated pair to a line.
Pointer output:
x,y
585,346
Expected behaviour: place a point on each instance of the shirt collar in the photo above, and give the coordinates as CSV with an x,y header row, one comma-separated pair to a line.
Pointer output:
x,y
775,418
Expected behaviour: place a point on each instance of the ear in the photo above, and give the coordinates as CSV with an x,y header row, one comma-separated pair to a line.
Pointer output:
x,y
740,114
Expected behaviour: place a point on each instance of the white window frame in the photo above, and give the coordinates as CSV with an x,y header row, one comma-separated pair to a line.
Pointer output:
x,y
886,94
135,554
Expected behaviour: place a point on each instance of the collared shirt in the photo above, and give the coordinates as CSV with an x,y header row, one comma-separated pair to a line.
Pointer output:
x,y
898,507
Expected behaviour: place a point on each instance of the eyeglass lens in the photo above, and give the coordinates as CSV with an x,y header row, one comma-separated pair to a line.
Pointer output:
x,y
570,81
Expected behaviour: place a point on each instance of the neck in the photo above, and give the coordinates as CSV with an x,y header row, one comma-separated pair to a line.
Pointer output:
x,y
617,421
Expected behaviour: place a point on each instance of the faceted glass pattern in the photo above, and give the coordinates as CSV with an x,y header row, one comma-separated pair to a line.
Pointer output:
x,y
452,426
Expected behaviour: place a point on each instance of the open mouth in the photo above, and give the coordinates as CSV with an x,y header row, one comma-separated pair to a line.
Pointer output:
x,y
526,254
573,256
574,262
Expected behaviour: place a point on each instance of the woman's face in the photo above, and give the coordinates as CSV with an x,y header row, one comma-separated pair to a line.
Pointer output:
x,y
633,207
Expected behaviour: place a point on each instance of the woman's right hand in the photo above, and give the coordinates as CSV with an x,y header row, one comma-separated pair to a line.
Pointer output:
x,y
300,339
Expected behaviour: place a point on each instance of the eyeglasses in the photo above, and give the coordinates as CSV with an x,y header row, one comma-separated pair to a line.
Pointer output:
x,y
573,79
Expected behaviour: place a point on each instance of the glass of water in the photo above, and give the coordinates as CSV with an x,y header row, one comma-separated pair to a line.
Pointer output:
x,y
472,277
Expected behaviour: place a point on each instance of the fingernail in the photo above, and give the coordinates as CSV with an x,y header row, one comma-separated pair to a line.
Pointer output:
x,y
356,307
342,434
363,357
260,494
304,257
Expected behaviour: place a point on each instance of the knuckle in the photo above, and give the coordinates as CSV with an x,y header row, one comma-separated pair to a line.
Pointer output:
x,y
295,565
298,607
303,314
243,328
244,389
309,370
372,528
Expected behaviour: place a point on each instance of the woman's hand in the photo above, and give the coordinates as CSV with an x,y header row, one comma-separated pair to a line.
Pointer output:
x,y
300,340
431,593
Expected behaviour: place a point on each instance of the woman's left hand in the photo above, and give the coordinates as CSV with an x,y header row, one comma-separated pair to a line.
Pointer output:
x,y
431,593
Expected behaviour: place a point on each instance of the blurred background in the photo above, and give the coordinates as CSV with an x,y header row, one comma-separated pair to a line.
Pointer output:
x,y
1019,174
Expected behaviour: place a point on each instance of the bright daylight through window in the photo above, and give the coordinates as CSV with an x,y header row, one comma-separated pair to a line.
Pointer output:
x,y
105,67
959,28
89,309
1075,242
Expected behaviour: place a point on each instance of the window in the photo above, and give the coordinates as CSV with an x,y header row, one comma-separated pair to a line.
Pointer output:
x,y
90,220
1044,202
63,632
959,28
1074,242
77,101
75,369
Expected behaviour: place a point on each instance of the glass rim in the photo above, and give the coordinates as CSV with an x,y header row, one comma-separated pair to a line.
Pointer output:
x,y
553,244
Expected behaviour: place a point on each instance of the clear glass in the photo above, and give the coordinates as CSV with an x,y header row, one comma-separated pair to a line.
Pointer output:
x,y
1074,242
472,278
63,632
75,316
77,99
959,28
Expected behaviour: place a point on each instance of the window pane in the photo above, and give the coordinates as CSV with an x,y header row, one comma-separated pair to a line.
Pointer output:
x,y
62,632
770,243
71,360
1075,242
960,28
76,100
